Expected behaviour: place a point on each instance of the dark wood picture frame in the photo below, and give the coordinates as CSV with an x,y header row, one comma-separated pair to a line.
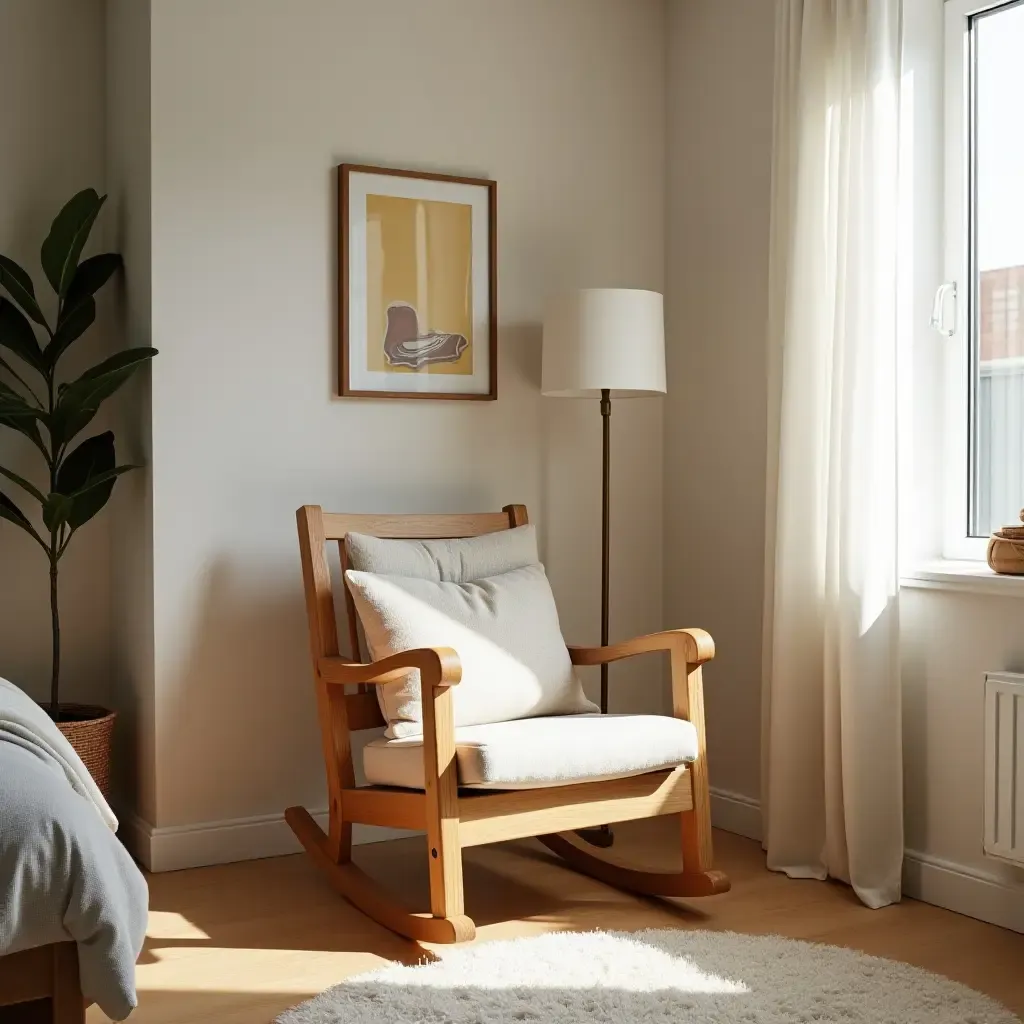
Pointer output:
x,y
345,171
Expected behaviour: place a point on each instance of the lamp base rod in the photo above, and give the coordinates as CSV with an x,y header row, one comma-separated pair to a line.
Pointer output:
x,y
603,837
606,502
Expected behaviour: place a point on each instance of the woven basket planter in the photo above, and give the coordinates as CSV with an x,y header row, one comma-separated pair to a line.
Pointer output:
x,y
89,728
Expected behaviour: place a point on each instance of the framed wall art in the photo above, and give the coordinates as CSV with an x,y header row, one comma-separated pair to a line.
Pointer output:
x,y
418,289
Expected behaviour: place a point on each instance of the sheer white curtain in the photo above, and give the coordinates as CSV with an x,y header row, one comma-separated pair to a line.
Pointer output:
x,y
832,792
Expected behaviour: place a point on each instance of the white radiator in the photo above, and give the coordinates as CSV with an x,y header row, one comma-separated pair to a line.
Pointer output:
x,y
1004,766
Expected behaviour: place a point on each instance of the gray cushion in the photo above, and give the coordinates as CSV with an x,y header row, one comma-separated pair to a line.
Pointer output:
x,y
539,752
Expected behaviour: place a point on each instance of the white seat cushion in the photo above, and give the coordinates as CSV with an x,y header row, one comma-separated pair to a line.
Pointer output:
x,y
536,752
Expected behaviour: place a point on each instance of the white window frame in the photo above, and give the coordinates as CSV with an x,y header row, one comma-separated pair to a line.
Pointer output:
x,y
957,542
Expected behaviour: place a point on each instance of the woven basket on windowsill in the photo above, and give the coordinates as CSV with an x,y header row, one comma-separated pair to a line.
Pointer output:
x,y
1006,550
89,728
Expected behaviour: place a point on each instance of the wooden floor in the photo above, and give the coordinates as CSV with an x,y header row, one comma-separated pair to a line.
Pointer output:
x,y
243,942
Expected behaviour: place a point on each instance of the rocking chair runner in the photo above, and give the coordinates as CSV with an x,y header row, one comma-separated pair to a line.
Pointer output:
x,y
454,820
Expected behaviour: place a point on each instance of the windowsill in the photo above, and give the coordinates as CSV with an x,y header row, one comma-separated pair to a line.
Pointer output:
x,y
965,577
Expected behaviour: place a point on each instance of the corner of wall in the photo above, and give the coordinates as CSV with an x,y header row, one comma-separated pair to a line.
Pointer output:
x,y
128,140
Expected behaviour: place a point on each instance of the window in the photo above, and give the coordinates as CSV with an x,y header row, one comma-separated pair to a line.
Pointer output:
x,y
982,312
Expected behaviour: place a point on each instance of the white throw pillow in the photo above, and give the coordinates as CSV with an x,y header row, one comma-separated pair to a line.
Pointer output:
x,y
504,628
451,561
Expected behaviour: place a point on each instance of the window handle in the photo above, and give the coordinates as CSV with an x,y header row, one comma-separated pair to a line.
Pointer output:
x,y
938,320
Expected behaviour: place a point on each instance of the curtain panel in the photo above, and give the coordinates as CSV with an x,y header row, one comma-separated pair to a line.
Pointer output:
x,y
832,779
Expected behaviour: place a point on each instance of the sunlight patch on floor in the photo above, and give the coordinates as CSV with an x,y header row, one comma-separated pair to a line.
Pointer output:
x,y
164,924
218,969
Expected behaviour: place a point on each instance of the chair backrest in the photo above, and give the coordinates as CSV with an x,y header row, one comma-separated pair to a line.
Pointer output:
x,y
318,528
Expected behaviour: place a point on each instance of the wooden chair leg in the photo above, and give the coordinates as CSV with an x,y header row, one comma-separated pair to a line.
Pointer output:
x,y
338,762
444,849
695,824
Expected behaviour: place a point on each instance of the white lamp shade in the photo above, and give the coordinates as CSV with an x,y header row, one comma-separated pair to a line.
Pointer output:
x,y
599,338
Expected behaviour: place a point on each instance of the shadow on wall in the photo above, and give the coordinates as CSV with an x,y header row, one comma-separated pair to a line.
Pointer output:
x,y
232,696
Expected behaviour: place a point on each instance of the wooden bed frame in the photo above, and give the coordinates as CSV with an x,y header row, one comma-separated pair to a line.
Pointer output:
x,y
454,819
45,972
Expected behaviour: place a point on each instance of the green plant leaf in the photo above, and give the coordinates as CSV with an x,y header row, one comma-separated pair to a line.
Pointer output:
x,y
70,328
56,508
79,401
92,274
13,514
92,456
102,478
19,285
14,406
67,238
17,336
27,427
128,358
87,478
96,493
89,504
24,484
17,414
4,365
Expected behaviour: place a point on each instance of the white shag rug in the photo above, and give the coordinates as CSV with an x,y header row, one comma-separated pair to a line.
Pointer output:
x,y
651,977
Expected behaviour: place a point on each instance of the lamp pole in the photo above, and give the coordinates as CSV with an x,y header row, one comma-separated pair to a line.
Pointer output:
x,y
602,836
606,424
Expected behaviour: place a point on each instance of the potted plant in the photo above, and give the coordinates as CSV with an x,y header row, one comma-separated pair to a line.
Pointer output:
x,y
51,412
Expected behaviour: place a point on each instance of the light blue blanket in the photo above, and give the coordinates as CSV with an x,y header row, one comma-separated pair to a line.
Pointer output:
x,y
63,874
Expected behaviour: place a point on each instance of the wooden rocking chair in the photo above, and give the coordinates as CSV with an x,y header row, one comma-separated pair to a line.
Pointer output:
x,y
454,820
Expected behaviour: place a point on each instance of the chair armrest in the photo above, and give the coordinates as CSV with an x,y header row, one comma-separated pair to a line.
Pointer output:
x,y
688,650
439,666
695,645
440,669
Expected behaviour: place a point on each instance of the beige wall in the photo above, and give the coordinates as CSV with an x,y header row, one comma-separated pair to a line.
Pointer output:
x,y
253,103
719,176
51,127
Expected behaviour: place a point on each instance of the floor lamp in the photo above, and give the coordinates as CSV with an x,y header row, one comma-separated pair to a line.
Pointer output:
x,y
604,343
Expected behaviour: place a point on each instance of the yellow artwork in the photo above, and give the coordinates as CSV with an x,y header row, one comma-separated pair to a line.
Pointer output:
x,y
419,285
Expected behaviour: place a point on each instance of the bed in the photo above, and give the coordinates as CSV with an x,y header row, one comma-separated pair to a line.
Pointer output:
x,y
73,905
43,984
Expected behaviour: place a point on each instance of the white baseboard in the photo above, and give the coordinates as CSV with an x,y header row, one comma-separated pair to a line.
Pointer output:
x,y
736,812
963,890
176,847
223,842
929,879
